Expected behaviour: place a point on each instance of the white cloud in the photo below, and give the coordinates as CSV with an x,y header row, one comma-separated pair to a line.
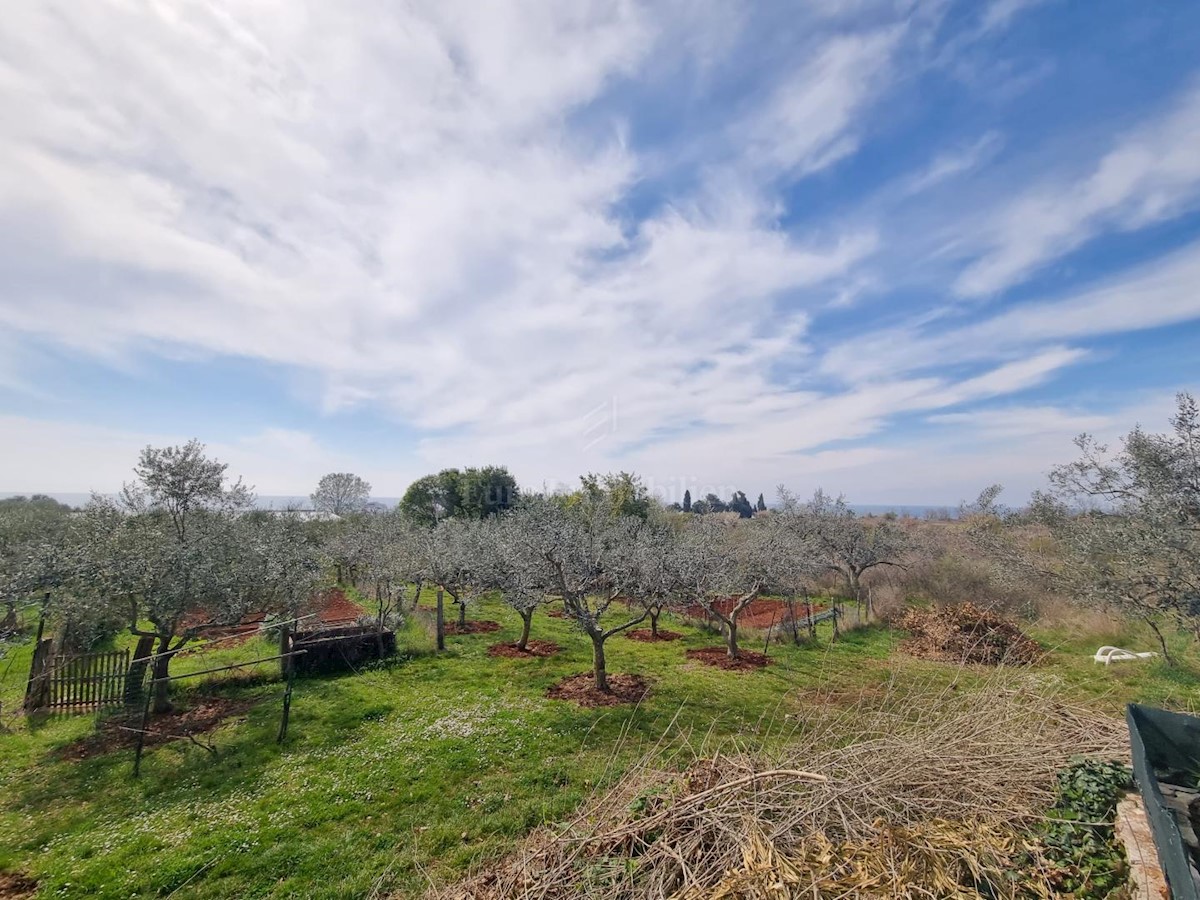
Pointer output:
x,y
43,455
999,13
951,164
1013,445
436,211
397,200
1159,293
1026,421
809,122
1151,174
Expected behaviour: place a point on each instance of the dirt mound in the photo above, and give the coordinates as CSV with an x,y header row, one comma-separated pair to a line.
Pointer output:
x,y
532,648
646,636
482,627
230,635
118,732
967,634
333,607
747,660
762,613
581,689
16,887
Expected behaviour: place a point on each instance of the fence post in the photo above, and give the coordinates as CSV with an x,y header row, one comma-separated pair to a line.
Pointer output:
x,y
285,646
36,688
441,621
141,735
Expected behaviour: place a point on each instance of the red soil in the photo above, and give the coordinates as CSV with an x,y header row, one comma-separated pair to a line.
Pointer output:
x,y
16,887
581,689
646,636
227,634
532,648
333,608
201,717
472,627
747,660
759,614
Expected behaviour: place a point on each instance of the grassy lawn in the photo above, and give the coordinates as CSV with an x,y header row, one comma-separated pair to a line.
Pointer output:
x,y
416,770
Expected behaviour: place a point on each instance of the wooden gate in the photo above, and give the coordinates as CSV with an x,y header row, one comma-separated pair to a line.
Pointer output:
x,y
77,682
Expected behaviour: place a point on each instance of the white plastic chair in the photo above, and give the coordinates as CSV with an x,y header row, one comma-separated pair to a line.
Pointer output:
x,y
1109,654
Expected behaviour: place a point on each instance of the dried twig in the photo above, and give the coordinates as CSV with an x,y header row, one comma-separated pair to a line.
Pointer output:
x,y
900,789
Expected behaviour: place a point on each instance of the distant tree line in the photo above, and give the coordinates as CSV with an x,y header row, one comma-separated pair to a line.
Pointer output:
x,y
711,503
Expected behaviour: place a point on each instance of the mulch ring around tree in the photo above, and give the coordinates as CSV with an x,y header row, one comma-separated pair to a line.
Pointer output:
x,y
115,733
647,636
581,689
532,648
16,887
746,661
482,627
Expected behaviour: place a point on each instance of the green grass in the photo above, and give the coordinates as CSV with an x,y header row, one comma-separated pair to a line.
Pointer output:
x,y
417,769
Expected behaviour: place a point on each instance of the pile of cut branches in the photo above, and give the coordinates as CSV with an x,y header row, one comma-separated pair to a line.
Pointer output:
x,y
967,634
933,794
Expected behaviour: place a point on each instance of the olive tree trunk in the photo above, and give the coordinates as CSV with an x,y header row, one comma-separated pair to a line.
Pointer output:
x,y
11,622
1162,641
526,622
599,666
160,672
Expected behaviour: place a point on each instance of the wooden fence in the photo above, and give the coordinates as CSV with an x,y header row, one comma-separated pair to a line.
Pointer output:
x,y
77,682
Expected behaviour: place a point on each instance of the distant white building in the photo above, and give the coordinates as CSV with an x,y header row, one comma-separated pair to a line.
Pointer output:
x,y
307,515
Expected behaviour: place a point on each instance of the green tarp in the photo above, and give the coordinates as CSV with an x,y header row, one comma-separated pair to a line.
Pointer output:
x,y
1166,763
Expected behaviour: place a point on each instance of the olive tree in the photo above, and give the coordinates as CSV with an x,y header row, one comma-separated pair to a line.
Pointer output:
x,y
387,567
282,562
341,493
725,567
55,571
449,554
503,566
844,543
1125,525
659,578
795,566
35,554
348,545
586,556
173,555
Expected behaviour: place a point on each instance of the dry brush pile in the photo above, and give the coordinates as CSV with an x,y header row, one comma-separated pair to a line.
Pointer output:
x,y
967,634
933,794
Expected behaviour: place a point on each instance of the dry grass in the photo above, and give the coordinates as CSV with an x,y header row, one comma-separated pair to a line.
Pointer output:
x,y
922,796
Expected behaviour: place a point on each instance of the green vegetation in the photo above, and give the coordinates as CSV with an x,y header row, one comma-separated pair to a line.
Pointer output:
x,y
428,765
1078,836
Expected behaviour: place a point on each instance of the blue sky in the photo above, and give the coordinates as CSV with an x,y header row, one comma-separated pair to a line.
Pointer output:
x,y
900,250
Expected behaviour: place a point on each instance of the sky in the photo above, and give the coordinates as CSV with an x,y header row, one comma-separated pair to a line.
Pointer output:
x,y
899,250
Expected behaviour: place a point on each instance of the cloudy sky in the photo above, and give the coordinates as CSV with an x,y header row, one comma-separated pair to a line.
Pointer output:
x,y
897,249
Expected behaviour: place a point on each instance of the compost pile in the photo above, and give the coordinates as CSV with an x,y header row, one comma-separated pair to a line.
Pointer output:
x,y
967,634
931,795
